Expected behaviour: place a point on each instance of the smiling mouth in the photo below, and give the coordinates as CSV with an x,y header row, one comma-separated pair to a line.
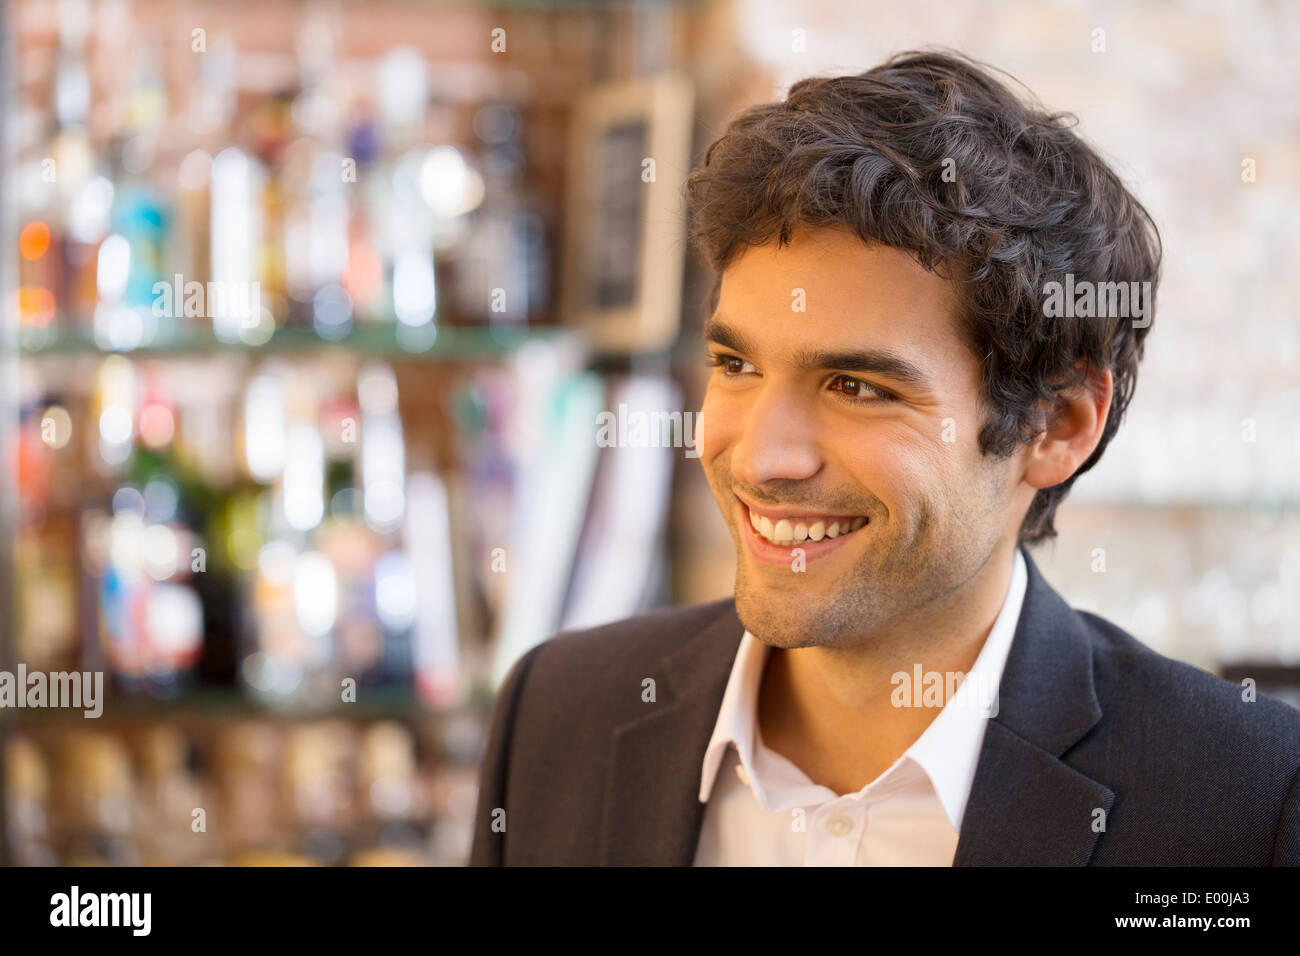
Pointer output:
x,y
790,530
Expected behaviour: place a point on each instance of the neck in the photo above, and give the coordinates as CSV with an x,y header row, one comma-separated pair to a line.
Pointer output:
x,y
829,710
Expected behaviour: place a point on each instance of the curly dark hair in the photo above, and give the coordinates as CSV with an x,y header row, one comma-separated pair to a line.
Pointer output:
x,y
1024,202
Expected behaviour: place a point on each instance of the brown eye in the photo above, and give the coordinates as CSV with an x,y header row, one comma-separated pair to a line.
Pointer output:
x,y
731,365
858,390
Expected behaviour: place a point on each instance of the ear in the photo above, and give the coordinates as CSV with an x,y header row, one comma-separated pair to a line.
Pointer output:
x,y
1074,426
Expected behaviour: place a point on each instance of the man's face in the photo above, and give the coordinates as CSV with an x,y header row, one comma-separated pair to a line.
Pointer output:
x,y
845,400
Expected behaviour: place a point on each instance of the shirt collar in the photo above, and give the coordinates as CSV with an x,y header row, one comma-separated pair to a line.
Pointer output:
x,y
735,723
947,751
949,748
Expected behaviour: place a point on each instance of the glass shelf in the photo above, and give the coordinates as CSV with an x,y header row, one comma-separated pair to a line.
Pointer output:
x,y
434,344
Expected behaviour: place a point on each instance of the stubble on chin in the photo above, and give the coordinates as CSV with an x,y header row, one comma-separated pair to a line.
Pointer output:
x,y
789,617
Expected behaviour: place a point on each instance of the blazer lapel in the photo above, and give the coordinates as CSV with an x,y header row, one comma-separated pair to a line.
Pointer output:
x,y
1026,805
652,814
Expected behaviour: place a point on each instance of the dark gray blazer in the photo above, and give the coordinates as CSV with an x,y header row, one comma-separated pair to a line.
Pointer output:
x,y
588,773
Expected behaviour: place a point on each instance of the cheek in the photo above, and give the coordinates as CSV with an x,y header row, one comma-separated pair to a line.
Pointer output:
x,y
715,424
897,465
951,481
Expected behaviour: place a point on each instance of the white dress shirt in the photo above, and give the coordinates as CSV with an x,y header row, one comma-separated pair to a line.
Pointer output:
x,y
762,810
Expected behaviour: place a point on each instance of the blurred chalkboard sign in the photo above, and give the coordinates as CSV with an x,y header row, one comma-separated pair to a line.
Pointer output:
x,y
625,232
613,258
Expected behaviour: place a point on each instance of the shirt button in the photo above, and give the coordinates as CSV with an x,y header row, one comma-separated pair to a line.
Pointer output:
x,y
744,777
839,825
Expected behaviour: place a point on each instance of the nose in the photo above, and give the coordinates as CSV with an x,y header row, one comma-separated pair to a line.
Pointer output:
x,y
779,441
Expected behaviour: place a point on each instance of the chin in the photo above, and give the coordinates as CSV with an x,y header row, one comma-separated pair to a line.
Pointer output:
x,y
781,619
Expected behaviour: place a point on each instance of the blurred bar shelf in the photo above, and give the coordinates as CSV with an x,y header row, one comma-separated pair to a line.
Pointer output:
x,y
228,704
1193,502
453,343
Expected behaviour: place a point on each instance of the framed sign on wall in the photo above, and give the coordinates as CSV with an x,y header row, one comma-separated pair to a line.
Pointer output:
x,y
629,156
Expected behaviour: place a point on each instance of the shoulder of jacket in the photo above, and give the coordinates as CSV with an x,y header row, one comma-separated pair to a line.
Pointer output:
x,y
642,639
1196,705
581,681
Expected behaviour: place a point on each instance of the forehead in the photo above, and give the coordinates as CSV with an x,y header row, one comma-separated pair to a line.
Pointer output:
x,y
854,294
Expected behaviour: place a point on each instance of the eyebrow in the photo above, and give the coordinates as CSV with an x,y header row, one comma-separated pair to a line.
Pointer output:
x,y
880,361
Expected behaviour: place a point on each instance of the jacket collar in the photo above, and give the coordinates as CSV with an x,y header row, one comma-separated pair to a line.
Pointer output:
x,y
652,813
1025,804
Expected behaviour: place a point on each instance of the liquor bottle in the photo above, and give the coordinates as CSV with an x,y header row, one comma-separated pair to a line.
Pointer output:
x,y
349,544
47,187
364,277
503,269
46,589
314,178
392,829
236,245
317,789
97,792
132,260
253,825
171,806
408,238
40,274
27,804
273,133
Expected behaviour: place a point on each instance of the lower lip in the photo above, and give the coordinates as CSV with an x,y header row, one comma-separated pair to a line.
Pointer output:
x,y
781,555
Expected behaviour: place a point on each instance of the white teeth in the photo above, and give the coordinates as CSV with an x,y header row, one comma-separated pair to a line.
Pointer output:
x,y
787,532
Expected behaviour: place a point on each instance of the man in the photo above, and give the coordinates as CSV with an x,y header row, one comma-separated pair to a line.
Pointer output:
x,y
897,406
